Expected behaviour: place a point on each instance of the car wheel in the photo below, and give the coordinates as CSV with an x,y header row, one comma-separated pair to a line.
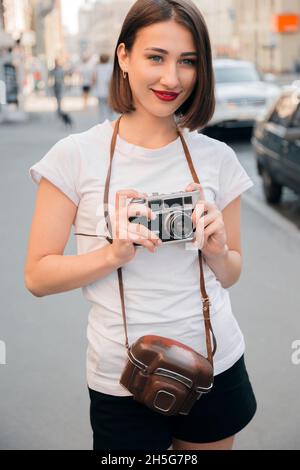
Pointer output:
x,y
272,190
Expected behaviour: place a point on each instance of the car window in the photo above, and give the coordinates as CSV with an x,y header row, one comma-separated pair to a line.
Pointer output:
x,y
236,74
296,119
284,110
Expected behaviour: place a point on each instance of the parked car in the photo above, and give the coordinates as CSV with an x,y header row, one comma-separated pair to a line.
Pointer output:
x,y
241,93
276,140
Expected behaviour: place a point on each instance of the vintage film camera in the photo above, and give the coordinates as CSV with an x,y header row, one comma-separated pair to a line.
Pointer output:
x,y
173,211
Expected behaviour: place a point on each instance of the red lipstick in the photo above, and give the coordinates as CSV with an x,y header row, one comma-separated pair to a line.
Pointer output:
x,y
165,95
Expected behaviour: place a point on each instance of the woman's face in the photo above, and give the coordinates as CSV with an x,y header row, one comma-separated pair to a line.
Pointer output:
x,y
154,70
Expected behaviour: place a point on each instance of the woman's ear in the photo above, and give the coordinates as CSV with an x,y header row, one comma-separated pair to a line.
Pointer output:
x,y
122,57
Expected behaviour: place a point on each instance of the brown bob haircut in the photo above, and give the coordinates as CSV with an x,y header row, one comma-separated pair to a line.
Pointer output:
x,y
199,107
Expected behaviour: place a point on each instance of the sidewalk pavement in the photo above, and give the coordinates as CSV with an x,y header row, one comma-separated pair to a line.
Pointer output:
x,y
44,104
39,103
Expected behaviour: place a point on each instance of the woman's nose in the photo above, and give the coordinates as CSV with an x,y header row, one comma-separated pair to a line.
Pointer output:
x,y
170,78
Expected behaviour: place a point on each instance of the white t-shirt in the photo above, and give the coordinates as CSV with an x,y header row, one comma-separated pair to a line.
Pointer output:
x,y
162,293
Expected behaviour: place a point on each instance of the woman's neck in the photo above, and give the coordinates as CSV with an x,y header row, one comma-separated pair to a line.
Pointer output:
x,y
149,132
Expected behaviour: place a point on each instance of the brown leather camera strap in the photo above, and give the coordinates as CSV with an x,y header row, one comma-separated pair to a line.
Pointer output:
x,y
205,299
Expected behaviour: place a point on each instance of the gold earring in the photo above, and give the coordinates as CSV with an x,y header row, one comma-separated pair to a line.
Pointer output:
x,y
124,74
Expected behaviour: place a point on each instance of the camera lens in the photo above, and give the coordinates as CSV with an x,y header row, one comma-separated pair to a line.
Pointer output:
x,y
178,225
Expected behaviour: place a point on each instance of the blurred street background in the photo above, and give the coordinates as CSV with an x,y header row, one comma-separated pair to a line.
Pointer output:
x,y
55,62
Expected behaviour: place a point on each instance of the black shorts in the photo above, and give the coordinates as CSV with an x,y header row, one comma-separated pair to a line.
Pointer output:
x,y
86,88
121,423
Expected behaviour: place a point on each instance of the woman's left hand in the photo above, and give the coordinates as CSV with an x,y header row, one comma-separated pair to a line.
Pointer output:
x,y
210,228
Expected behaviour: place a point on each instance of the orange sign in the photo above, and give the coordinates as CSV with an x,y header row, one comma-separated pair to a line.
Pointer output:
x,y
286,23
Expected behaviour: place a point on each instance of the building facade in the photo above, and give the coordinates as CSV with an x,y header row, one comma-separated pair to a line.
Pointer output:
x,y
100,24
37,23
220,19
16,15
53,33
268,33
47,24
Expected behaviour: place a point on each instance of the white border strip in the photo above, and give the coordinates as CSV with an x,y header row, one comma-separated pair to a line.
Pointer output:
x,y
2,353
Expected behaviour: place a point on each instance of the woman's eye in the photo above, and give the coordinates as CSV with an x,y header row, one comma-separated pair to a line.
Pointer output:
x,y
155,57
187,61
190,61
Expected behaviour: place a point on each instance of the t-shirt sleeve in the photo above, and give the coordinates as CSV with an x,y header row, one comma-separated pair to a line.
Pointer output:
x,y
233,179
60,166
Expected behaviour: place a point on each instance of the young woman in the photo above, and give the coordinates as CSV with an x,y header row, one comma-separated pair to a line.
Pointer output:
x,y
162,82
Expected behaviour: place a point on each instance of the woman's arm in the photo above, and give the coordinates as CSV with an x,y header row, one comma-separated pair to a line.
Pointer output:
x,y
227,266
47,270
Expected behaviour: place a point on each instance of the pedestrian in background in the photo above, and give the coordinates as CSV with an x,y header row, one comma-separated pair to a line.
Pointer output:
x,y
57,77
19,61
102,76
86,71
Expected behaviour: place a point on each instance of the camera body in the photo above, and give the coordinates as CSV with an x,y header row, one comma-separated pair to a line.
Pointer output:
x,y
173,223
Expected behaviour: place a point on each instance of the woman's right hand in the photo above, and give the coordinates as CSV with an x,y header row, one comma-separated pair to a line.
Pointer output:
x,y
125,233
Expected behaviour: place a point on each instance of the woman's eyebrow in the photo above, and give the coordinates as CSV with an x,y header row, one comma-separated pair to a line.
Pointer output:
x,y
163,51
